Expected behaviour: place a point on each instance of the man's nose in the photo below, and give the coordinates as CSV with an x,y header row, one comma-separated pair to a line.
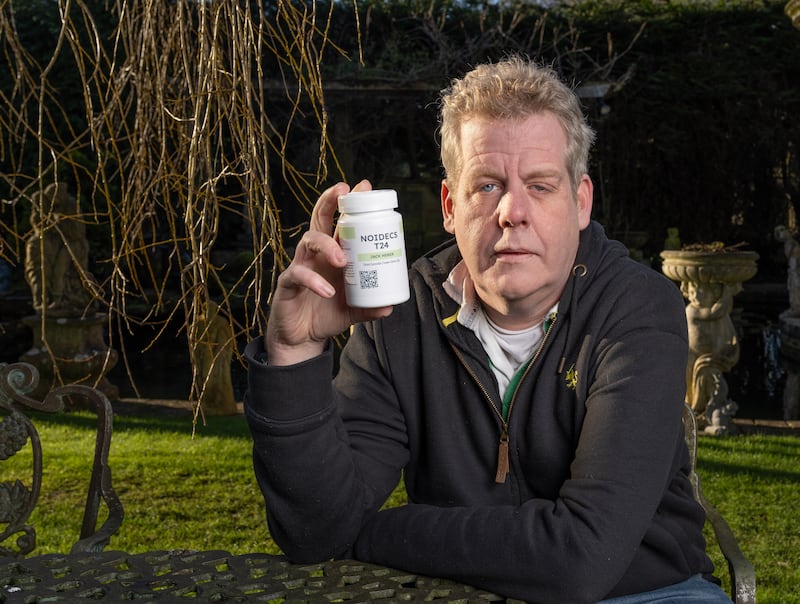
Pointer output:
x,y
514,208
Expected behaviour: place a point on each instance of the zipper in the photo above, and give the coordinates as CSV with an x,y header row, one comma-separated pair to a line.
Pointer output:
x,y
503,466
531,363
502,449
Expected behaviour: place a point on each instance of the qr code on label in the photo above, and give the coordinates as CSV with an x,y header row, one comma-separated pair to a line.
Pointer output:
x,y
369,279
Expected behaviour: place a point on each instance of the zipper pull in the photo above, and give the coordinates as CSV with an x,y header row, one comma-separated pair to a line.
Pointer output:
x,y
502,458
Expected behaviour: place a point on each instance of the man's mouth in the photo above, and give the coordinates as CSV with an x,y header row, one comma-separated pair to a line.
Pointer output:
x,y
512,253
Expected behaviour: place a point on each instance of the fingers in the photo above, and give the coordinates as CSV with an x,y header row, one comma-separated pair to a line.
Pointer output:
x,y
364,185
319,248
325,209
316,260
358,315
299,276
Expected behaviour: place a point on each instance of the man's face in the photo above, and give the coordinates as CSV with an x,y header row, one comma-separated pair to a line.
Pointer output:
x,y
515,216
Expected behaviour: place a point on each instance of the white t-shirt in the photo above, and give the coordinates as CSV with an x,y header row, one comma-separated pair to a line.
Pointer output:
x,y
507,349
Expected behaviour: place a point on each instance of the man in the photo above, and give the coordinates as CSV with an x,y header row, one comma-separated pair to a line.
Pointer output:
x,y
529,393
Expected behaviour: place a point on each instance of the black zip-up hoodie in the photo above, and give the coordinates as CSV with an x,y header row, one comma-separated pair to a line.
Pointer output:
x,y
582,494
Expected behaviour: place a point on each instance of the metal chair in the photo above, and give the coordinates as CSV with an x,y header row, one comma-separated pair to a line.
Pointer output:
x,y
743,576
17,500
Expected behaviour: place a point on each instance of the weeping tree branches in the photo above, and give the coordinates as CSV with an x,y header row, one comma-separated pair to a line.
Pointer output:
x,y
171,134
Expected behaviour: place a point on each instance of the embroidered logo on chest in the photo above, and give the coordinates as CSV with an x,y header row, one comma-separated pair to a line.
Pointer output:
x,y
571,377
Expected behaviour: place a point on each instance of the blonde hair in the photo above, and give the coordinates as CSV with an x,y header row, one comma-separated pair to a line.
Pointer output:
x,y
513,88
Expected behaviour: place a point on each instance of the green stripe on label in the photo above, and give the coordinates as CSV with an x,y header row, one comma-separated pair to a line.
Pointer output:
x,y
382,255
347,232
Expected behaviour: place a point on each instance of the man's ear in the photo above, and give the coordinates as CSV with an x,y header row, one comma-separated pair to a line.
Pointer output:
x,y
447,209
585,196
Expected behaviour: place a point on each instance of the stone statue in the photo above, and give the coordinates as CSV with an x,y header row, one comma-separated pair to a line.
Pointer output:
x,y
57,256
68,333
791,249
673,240
719,409
214,344
713,346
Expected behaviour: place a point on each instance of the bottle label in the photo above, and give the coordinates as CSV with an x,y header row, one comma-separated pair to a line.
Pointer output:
x,y
376,273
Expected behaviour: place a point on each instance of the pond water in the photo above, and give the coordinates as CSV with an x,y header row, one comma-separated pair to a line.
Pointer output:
x,y
757,381
161,370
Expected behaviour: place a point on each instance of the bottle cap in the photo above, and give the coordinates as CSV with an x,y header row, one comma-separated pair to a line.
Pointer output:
x,y
367,201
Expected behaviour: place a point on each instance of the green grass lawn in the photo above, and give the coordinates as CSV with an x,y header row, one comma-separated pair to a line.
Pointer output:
x,y
754,481
198,492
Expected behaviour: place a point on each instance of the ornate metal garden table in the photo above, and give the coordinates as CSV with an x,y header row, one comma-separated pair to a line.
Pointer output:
x,y
217,576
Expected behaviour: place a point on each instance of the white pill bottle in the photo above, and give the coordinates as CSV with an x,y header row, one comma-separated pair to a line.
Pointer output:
x,y
370,232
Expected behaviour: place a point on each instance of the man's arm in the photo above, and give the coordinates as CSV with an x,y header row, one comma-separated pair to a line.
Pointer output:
x,y
300,447
318,490
308,305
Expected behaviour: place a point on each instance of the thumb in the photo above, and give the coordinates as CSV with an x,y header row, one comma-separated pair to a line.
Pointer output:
x,y
325,208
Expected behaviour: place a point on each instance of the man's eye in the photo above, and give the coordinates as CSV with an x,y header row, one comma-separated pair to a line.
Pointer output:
x,y
488,188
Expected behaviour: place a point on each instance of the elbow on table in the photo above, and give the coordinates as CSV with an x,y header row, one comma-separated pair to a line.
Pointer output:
x,y
310,547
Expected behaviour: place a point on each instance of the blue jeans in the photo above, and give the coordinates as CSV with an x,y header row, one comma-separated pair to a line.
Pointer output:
x,y
696,589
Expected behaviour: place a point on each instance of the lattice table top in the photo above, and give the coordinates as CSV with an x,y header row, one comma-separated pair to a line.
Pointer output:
x,y
217,576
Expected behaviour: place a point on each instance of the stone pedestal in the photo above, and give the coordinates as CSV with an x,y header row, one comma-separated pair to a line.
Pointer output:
x,y
214,345
710,280
68,350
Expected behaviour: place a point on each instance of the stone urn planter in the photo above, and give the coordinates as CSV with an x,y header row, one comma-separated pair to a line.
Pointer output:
x,y
701,266
709,279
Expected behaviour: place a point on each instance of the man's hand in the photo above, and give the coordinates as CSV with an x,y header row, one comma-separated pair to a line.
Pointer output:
x,y
309,305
